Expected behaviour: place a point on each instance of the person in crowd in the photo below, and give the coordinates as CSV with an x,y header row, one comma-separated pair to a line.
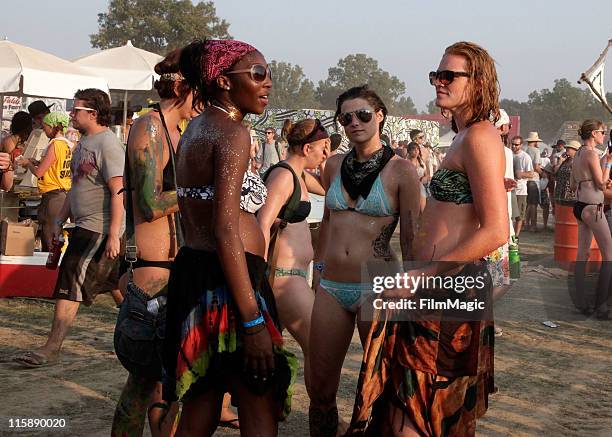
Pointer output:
x,y
402,149
414,156
53,173
222,328
499,261
6,171
447,393
545,190
129,118
287,234
563,193
523,170
38,110
558,151
589,181
533,187
152,144
418,136
90,264
21,127
269,153
368,191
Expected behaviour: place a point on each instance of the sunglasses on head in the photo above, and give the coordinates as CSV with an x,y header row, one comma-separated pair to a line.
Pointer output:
x,y
258,72
363,115
445,77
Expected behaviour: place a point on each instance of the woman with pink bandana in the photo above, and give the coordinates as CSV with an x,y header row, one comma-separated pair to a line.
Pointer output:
x,y
222,329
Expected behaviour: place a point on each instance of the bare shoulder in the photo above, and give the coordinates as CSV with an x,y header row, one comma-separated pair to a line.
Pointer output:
x,y
401,168
332,164
280,175
483,138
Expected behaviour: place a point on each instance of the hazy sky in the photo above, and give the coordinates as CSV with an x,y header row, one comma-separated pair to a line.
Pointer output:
x,y
533,42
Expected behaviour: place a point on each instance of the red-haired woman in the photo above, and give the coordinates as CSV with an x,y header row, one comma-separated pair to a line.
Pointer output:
x,y
431,376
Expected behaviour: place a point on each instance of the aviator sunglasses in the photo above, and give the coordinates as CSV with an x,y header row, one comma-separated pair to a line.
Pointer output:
x,y
363,115
258,72
446,77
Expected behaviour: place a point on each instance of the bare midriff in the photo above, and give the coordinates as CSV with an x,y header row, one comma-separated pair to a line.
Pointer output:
x,y
443,227
295,247
198,224
353,239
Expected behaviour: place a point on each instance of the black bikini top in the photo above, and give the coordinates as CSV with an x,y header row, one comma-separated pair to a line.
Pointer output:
x,y
295,210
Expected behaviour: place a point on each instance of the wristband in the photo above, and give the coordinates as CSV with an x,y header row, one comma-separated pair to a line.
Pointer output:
x,y
258,321
319,266
59,222
608,165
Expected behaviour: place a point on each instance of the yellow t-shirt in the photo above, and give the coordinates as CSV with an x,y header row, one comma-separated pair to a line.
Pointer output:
x,y
57,177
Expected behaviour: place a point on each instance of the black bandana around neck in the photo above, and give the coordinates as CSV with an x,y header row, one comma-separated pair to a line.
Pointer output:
x,y
358,177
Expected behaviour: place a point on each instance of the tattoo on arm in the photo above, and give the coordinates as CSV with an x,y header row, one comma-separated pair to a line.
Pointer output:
x,y
406,242
380,245
145,165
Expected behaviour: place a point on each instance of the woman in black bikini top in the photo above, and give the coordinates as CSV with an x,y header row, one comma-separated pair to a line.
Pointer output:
x,y
589,180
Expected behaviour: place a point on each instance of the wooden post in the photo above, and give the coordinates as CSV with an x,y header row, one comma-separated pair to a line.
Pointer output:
x,y
599,96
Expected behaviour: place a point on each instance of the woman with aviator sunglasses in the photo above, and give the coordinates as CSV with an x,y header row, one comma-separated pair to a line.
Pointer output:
x,y
368,191
431,376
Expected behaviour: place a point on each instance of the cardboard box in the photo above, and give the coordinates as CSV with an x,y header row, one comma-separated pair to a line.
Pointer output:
x,y
17,239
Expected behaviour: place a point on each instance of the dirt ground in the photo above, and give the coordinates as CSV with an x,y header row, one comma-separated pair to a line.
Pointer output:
x,y
552,381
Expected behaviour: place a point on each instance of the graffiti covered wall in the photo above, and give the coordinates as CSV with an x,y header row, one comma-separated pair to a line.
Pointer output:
x,y
396,128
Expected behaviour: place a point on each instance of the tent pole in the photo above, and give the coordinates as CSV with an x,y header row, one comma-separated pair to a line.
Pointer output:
x,y
125,106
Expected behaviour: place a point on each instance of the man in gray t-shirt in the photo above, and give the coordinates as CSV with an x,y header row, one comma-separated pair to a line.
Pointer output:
x,y
269,153
95,160
90,264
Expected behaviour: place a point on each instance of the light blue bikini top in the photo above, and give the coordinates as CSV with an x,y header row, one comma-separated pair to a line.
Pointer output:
x,y
376,204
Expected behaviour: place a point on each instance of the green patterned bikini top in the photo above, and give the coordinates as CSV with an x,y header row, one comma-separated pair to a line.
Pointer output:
x,y
448,185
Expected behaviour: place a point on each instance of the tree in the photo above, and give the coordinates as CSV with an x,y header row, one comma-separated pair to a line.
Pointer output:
x,y
291,89
546,110
432,108
157,25
359,69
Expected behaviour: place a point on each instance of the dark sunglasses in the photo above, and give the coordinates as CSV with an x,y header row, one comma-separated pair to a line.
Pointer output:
x,y
363,115
445,77
258,72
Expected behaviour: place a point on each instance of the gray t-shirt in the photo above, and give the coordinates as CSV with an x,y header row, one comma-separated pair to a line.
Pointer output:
x,y
268,156
95,159
534,154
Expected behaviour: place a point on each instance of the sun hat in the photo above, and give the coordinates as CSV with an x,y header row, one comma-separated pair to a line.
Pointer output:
x,y
533,137
573,144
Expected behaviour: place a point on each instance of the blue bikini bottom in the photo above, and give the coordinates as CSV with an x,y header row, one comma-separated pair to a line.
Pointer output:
x,y
349,295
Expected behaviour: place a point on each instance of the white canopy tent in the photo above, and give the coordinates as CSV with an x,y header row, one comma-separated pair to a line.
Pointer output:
x,y
125,68
25,71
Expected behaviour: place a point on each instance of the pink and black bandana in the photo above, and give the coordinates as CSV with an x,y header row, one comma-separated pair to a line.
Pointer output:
x,y
220,55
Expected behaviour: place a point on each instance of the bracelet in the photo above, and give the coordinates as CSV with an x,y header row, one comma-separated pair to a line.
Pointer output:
x,y
608,165
259,320
319,266
59,222
263,326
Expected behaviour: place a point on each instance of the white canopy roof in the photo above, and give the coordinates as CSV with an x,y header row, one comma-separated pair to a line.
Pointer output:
x,y
27,71
124,68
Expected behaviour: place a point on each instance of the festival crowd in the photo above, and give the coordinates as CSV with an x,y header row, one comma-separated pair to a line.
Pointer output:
x,y
202,236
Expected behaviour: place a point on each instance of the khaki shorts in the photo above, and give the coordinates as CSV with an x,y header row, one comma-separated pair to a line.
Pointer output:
x,y
521,202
